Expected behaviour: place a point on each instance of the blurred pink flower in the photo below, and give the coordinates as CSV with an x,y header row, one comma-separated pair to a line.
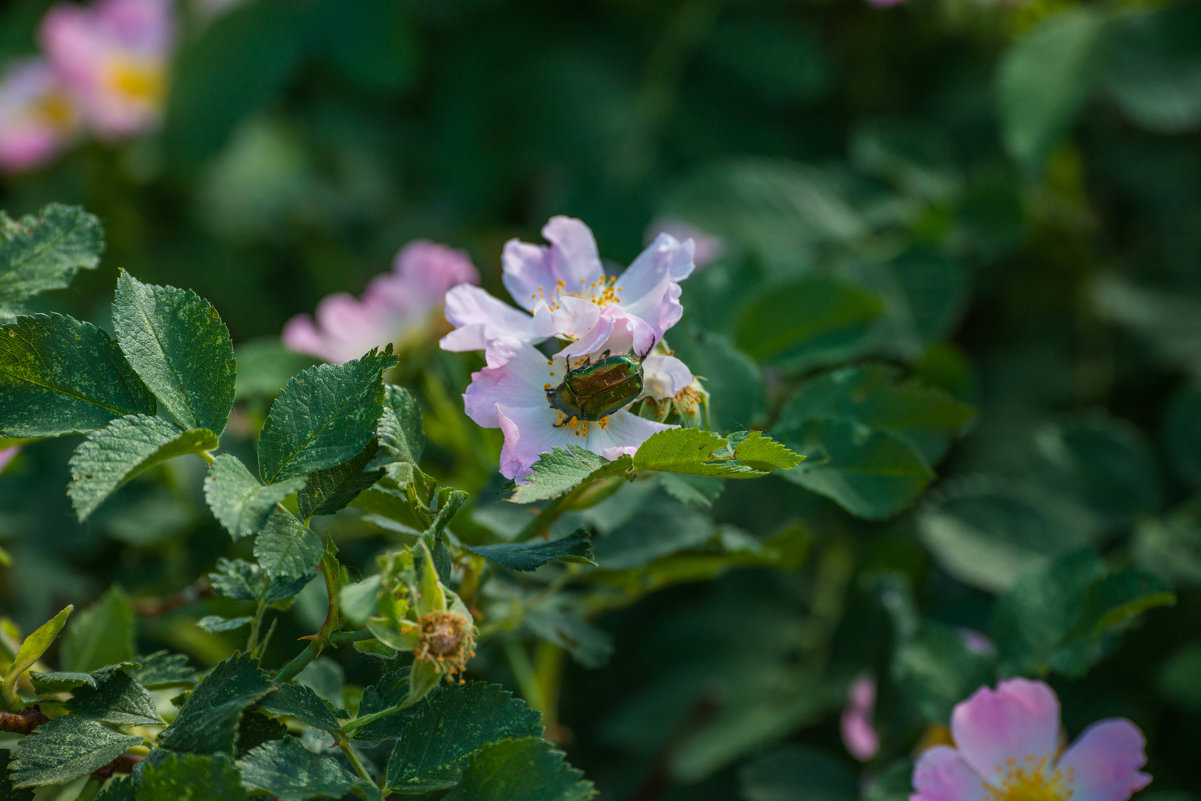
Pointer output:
x,y
37,117
113,56
858,733
6,455
706,247
395,306
1007,749
510,394
566,294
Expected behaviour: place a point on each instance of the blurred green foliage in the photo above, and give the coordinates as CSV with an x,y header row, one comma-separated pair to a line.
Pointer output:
x,y
959,272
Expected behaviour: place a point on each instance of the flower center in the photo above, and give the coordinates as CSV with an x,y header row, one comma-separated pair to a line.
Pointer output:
x,y
143,81
55,110
448,641
577,426
1030,780
602,292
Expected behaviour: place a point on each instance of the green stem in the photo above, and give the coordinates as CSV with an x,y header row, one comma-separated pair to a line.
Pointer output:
x,y
252,640
298,662
329,566
354,725
351,636
344,744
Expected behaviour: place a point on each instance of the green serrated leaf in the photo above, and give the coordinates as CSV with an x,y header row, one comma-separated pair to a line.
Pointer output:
x,y
66,748
525,556
287,549
7,791
323,417
401,436
61,376
215,623
170,776
290,772
117,699
762,453
101,635
453,722
560,471
699,453
300,702
31,650
590,646
243,581
699,491
327,491
163,669
1045,80
176,342
44,251
529,768
242,504
208,721
117,789
871,474
936,669
1118,598
810,322
121,450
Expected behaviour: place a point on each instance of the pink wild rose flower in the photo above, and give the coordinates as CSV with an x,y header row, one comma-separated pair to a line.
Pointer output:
x,y
1007,749
395,307
510,394
114,57
565,294
37,117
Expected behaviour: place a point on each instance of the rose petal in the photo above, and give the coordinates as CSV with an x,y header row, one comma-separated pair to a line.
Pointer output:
x,y
479,317
529,432
430,269
531,271
941,774
520,380
1104,762
664,376
1018,719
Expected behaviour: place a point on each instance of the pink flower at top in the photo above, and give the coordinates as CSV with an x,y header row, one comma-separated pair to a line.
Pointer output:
x,y
510,394
858,734
37,117
395,306
1007,749
706,247
113,56
566,294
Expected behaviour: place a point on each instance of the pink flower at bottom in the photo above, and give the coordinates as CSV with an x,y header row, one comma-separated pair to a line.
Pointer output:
x,y
395,306
1007,749
510,394
6,455
858,734
37,117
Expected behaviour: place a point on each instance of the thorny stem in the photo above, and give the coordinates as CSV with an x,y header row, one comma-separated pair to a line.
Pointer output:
x,y
329,566
22,722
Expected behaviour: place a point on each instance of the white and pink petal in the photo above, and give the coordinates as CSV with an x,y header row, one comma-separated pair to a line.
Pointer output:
x,y
1104,763
1017,720
941,774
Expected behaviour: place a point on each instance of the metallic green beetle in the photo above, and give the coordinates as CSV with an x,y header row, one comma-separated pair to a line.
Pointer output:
x,y
598,389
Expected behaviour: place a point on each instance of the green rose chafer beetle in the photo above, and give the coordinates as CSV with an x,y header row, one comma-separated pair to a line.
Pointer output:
x,y
595,390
